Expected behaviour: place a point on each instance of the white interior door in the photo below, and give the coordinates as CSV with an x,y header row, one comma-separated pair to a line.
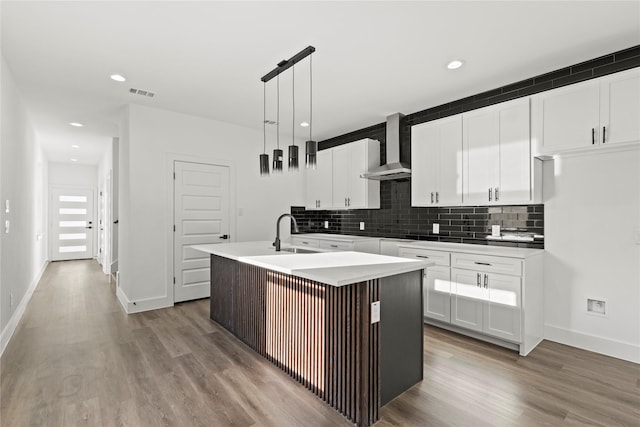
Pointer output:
x,y
72,224
201,215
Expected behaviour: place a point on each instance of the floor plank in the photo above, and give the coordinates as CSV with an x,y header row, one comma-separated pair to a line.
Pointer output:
x,y
76,359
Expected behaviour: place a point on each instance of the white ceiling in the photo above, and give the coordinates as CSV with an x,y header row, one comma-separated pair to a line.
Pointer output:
x,y
206,58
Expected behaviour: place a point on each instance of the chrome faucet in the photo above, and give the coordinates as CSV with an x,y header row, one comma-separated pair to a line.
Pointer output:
x,y
295,228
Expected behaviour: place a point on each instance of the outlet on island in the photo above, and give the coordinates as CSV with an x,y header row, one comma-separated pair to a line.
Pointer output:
x,y
361,225
436,228
326,224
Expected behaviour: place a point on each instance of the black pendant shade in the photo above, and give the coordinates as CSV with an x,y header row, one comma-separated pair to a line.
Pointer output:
x,y
277,160
312,154
264,164
293,157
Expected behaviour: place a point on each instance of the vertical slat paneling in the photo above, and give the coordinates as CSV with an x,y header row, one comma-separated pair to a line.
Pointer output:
x,y
318,334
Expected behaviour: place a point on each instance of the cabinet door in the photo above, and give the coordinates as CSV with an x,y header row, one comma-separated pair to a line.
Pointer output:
x,y
515,154
319,182
341,167
503,306
424,163
437,294
449,162
363,193
436,162
620,107
566,118
467,299
481,156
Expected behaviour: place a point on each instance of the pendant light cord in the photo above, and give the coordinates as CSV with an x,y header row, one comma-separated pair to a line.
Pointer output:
x,y
264,118
293,102
278,113
310,96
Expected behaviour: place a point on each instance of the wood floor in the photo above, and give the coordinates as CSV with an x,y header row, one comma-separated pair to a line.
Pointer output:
x,y
77,360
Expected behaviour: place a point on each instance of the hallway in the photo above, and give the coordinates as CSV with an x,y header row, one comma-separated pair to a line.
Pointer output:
x,y
76,359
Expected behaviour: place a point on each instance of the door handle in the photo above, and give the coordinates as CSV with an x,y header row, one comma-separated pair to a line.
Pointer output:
x,y
478,280
224,236
89,227
497,194
437,197
486,281
432,197
490,194
593,136
604,131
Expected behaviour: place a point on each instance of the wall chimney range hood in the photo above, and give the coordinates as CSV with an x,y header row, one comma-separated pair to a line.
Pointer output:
x,y
394,168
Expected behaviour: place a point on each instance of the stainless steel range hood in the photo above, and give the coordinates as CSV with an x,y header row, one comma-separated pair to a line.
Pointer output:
x,y
394,168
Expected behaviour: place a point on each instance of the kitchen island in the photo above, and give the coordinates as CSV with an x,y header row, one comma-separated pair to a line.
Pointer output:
x,y
313,315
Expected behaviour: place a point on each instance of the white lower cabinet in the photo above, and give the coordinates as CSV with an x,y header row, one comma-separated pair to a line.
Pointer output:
x,y
484,295
437,293
486,302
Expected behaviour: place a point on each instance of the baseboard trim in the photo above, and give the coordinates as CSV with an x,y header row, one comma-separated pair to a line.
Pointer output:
x,y
139,306
8,331
608,347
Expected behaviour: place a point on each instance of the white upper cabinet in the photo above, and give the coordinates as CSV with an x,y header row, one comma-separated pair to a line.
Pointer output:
x,y
436,162
350,161
497,158
319,190
588,114
620,107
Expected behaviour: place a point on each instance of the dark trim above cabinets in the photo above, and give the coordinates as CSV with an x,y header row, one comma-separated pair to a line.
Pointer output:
x,y
594,68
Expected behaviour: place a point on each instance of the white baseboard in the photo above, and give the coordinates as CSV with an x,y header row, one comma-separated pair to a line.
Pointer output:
x,y
8,331
608,347
138,306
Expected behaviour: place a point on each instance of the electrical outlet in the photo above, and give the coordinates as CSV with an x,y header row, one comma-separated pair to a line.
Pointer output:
x,y
361,225
436,228
375,312
598,307
326,224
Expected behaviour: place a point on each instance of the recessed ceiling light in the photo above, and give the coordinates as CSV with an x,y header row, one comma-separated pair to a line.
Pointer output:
x,y
304,124
118,78
75,146
77,125
454,65
74,160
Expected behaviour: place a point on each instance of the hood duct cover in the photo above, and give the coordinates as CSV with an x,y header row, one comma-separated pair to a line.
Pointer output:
x,y
394,168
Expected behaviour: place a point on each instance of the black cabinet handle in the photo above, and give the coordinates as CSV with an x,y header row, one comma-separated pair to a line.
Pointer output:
x,y
604,132
593,136
224,236
481,263
422,256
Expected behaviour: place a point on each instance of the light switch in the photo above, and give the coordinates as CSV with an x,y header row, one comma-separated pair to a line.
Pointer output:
x,y
6,227
375,312
6,206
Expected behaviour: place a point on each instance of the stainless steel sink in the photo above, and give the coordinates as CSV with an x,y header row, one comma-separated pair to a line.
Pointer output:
x,y
299,250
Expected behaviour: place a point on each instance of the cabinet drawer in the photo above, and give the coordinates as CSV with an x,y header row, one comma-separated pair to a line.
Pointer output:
x,y
439,257
303,241
487,263
335,245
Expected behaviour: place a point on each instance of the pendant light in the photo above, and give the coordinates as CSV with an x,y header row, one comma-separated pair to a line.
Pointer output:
x,y
293,148
311,145
277,152
264,157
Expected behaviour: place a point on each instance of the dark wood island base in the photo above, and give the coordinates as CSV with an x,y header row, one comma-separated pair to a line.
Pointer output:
x,y
322,336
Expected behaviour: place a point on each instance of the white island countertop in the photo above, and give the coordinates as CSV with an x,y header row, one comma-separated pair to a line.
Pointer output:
x,y
332,268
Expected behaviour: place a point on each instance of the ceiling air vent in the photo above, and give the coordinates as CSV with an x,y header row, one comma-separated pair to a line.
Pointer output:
x,y
142,92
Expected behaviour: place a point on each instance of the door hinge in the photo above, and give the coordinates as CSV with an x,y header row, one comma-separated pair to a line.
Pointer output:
x,y
174,280
174,228
174,176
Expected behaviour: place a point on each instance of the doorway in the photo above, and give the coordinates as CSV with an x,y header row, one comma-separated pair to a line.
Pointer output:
x,y
72,223
201,216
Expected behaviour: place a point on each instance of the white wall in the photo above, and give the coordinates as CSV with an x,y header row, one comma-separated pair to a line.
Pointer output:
x,y
105,173
72,175
150,138
592,217
23,181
